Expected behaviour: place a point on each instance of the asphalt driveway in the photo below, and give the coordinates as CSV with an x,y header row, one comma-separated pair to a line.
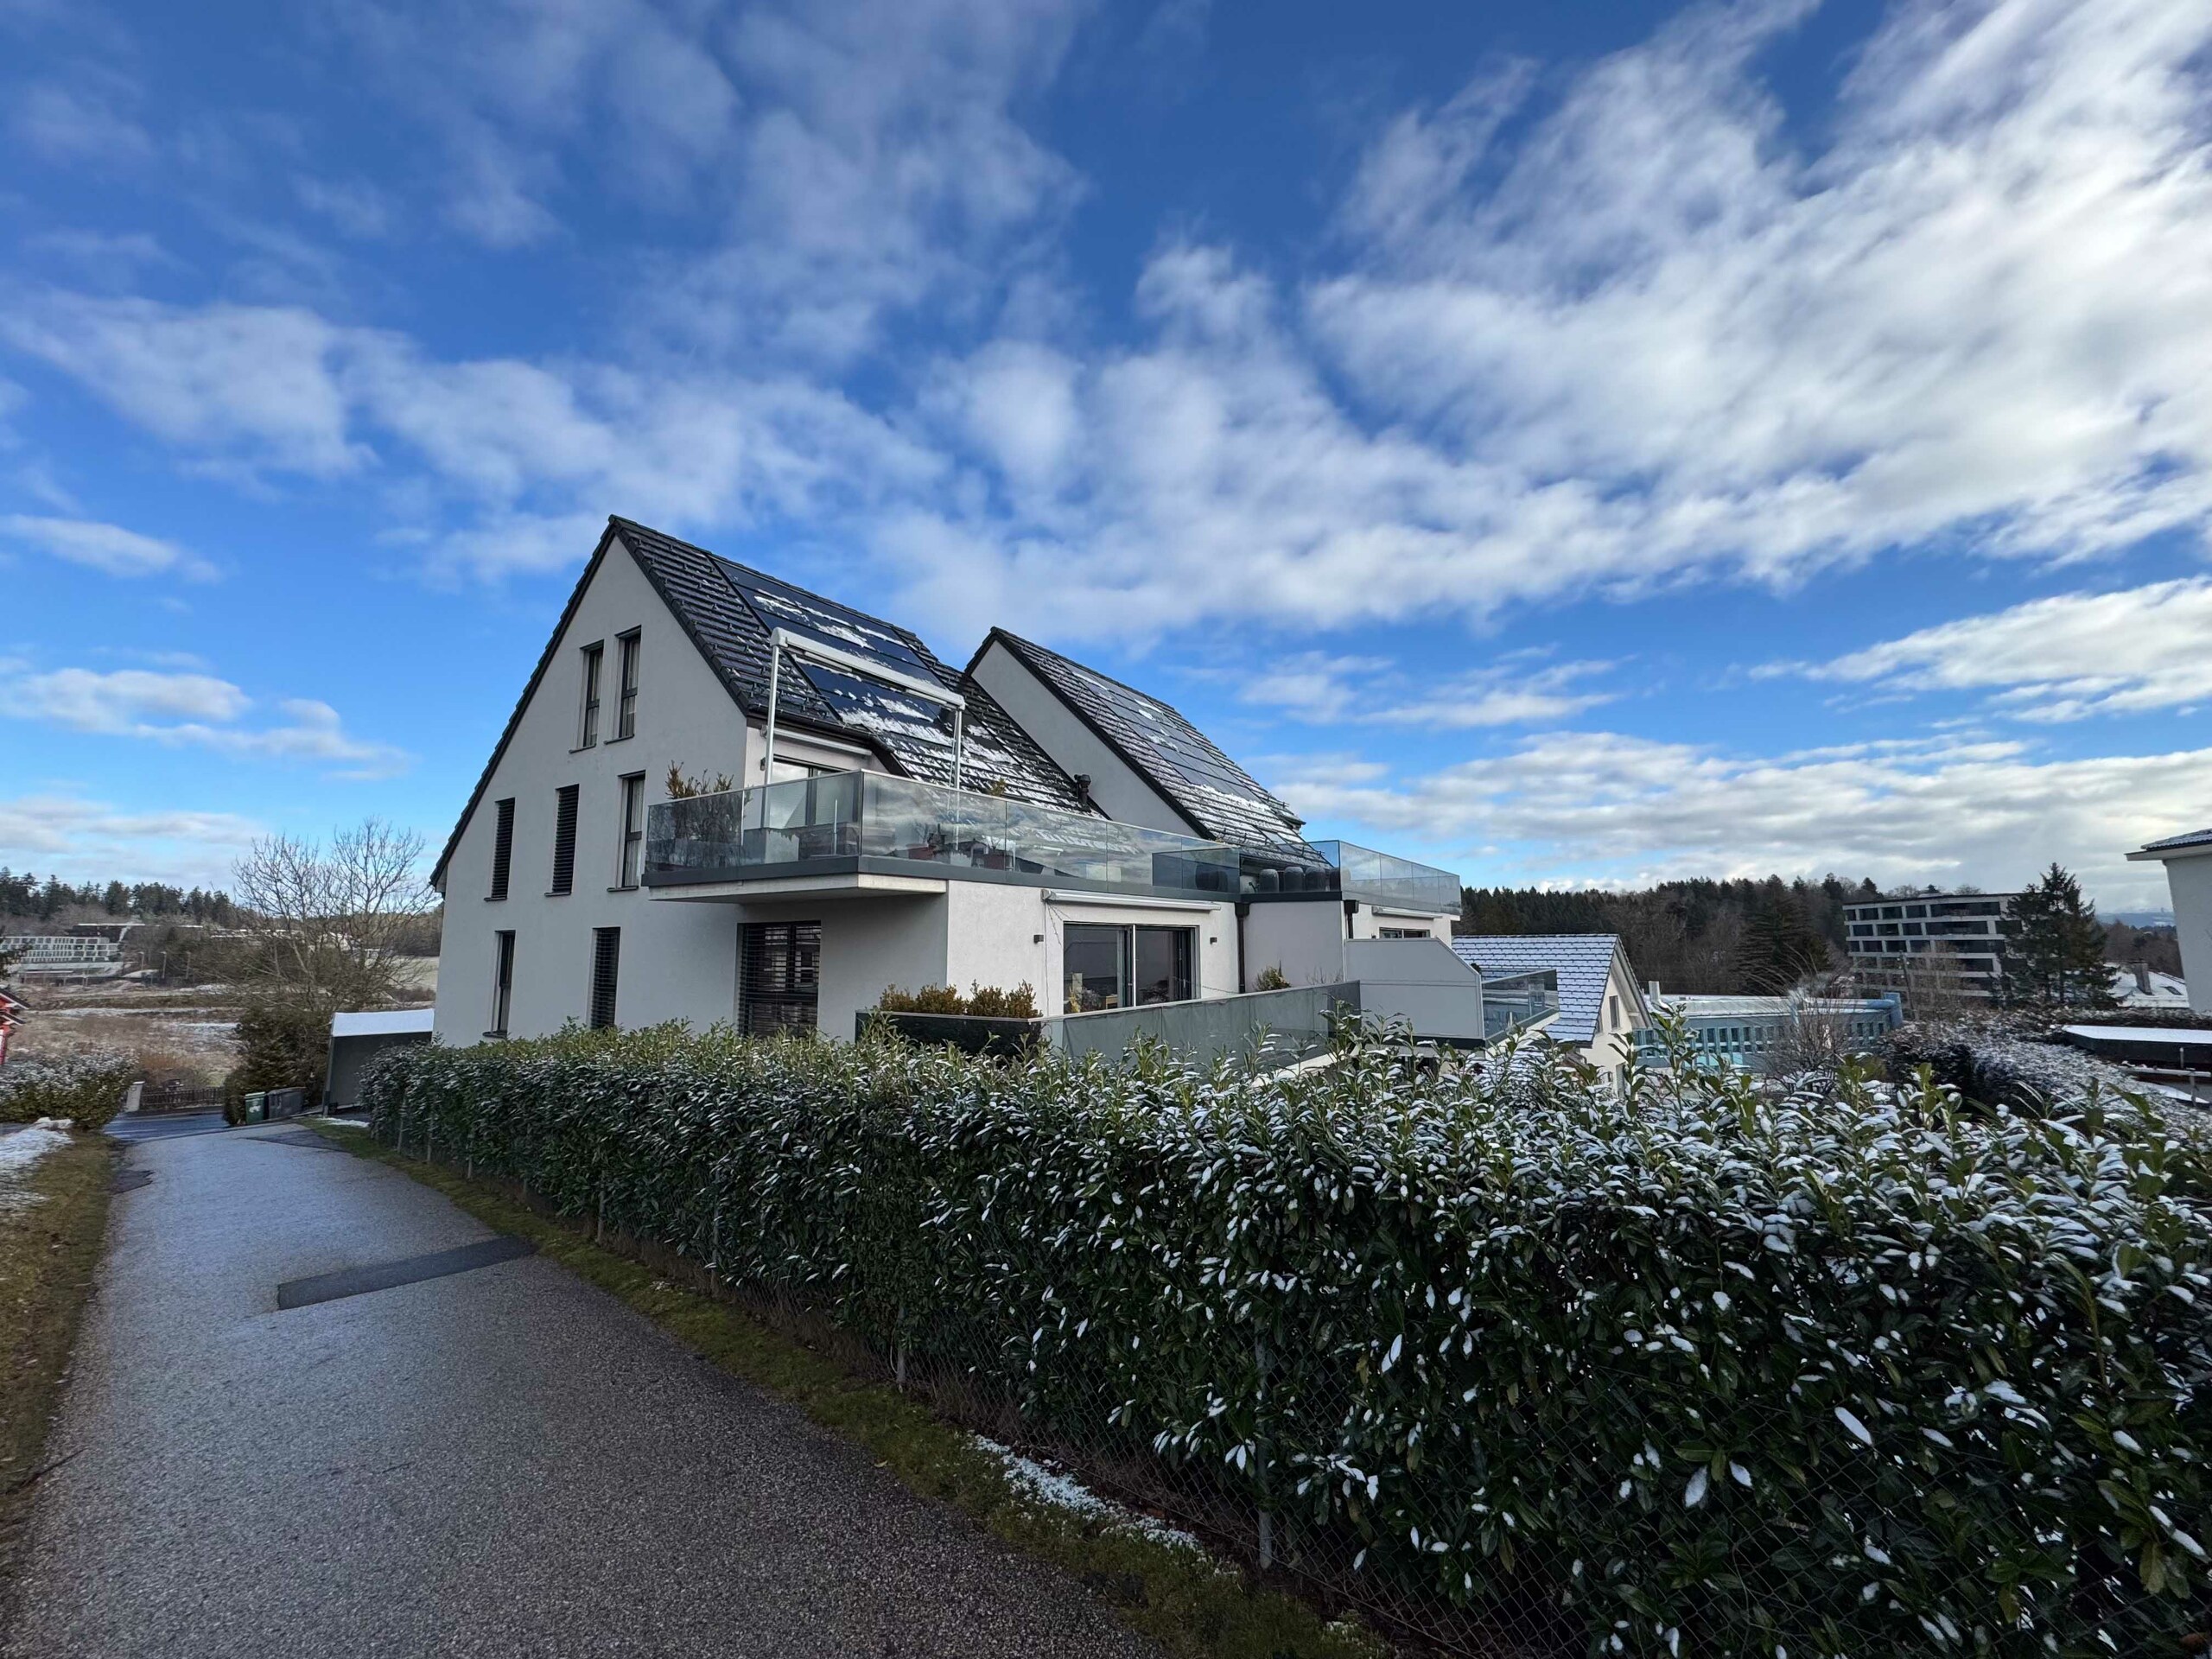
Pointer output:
x,y
502,1459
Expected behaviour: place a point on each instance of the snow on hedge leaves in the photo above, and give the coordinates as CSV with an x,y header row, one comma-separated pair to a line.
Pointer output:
x,y
1719,1365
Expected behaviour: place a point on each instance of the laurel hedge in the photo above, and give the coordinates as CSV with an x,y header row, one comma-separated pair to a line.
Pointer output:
x,y
1709,1365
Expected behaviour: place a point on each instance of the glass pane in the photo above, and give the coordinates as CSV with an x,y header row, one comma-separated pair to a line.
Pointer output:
x,y
1163,965
1092,962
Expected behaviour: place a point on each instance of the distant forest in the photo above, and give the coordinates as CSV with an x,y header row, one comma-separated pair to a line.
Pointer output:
x,y
1704,937
26,896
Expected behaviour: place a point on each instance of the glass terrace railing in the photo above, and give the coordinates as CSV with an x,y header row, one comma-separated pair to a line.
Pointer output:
x,y
749,833
1386,879
1513,1001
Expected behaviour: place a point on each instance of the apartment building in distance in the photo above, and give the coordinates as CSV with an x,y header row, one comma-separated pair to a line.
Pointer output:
x,y
1929,948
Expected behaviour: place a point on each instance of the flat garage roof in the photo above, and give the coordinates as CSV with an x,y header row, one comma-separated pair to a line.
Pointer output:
x,y
382,1022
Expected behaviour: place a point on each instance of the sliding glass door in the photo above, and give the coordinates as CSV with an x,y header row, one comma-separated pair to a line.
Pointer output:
x,y
1107,967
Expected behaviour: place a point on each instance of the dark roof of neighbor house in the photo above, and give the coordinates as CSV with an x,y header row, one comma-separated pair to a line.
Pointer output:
x,y
1217,798
2194,838
728,610
1583,961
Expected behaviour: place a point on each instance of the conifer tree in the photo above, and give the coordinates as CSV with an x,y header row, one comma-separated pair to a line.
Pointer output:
x,y
2054,950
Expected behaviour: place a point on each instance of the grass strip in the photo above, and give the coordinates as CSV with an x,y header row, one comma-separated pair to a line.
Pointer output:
x,y
49,1252
1194,1606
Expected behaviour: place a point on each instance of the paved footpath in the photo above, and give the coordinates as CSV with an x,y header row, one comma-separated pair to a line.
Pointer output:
x,y
504,1460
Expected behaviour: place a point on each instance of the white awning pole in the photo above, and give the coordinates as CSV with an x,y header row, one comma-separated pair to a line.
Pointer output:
x,y
958,731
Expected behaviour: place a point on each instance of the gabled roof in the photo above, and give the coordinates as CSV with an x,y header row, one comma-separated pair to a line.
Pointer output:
x,y
1583,961
2194,838
1217,798
727,611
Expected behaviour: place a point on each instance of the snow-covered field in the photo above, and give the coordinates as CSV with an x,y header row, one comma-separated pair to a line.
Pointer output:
x,y
20,1151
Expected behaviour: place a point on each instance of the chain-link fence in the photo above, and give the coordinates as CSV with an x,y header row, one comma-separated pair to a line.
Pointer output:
x,y
1512,1365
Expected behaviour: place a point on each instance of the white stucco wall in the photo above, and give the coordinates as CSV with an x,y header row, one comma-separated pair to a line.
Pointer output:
x,y
1605,1049
1420,981
678,961
1303,938
1121,792
2189,880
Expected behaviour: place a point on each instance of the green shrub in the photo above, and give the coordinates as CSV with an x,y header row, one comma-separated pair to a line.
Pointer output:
x,y
1711,1366
988,1003
85,1087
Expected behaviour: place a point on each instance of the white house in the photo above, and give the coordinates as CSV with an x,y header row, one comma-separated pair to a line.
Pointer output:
x,y
2188,860
851,814
1600,1004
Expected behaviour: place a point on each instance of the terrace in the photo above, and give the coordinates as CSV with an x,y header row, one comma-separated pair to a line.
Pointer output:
x,y
851,824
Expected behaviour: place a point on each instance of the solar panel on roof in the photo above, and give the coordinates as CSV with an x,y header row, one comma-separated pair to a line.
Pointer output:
x,y
1181,761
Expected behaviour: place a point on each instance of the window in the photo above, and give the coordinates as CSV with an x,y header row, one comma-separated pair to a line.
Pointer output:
x,y
1104,967
1402,932
503,981
780,964
1614,1023
633,829
587,731
606,969
564,840
503,848
626,711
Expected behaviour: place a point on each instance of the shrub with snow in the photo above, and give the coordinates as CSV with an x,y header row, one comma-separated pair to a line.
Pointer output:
x,y
87,1087
1712,1366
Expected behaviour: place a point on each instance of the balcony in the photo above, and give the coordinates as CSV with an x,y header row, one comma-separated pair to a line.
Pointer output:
x,y
1354,872
1516,1002
854,822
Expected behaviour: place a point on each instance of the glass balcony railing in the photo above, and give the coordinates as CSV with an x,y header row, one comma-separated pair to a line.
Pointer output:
x,y
748,834
1386,879
1516,1000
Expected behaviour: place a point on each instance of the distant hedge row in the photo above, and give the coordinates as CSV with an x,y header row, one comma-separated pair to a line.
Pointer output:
x,y
1711,1367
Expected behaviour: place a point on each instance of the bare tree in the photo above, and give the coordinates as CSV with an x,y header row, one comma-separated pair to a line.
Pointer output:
x,y
327,922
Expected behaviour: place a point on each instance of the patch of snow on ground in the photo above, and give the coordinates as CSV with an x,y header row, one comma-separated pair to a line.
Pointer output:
x,y
18,1153
1048,1485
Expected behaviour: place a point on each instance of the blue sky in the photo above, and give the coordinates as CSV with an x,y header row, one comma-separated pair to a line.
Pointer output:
x,y
1591,442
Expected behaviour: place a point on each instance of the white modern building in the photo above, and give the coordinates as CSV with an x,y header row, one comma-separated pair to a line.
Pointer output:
x,y
1923,945
722,797
2188,860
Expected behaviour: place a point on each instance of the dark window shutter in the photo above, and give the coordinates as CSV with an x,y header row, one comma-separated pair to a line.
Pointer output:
x,y
564,839
503,847
606,969
782,968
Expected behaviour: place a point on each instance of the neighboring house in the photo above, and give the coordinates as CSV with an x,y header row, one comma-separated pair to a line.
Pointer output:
x,y
1932,944
868,818
356,1038
2136,986
1762,1034
1600,1006
2188,860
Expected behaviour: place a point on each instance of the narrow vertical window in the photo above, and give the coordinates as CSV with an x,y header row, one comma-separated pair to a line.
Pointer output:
x,y
606,969
503,981
503,847
633,829
564,839
626,711
588,730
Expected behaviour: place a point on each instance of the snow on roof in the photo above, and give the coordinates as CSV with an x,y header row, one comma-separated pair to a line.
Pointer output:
x,y
2171,1036
1218,796
382,1022
1583,961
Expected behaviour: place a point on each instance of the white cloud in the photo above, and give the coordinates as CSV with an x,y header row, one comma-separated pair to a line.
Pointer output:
x,y
83,120
2062,658
1602,807
111,548
1520,688
192,710
78,839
